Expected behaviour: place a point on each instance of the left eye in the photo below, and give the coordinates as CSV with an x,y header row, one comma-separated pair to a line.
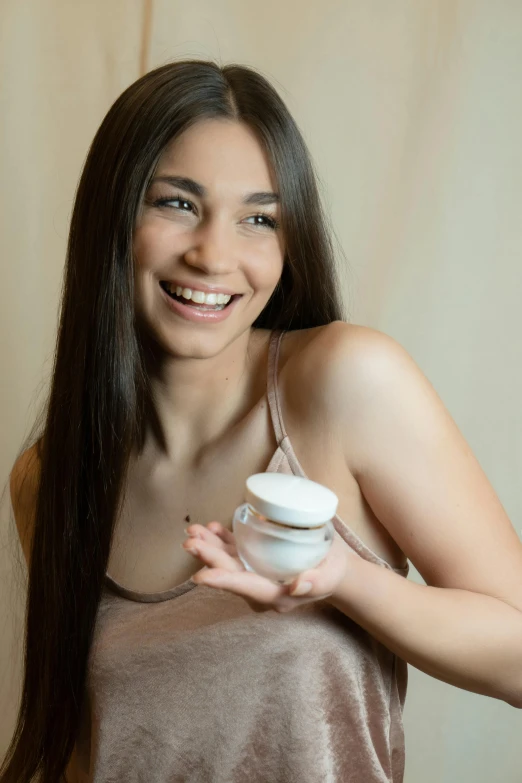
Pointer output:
x,y
270,222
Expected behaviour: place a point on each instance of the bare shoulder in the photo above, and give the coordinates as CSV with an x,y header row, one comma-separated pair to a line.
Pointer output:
x,y
412,463
23,486
335,371
334,359
339,339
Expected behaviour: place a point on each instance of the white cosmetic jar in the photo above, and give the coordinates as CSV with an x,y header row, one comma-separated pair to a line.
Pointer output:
x,y
285,526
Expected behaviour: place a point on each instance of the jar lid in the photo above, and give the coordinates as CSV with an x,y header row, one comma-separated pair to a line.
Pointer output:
x,y
295,500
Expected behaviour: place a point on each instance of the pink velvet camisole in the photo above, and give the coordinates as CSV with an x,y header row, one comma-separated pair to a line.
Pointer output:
x,y
190,685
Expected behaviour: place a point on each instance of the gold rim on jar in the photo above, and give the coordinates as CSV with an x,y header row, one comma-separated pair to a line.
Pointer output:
x,y
282,524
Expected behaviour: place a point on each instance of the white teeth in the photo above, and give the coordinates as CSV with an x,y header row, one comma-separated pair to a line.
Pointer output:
x,y
199,297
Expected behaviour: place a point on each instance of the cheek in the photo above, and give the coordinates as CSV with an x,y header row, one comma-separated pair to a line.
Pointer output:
x,y
151,245
266,267
141,250
261,252
142,302
145,258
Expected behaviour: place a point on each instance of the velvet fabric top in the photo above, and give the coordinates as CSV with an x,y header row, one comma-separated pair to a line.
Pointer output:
x,y
190,685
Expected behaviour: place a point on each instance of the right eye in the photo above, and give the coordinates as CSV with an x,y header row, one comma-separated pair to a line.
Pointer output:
x,y
162,202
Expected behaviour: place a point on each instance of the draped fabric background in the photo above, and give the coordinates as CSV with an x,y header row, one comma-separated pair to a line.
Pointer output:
x,y
413,116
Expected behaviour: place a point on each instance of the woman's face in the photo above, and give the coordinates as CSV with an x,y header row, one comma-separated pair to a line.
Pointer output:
x,y
201,232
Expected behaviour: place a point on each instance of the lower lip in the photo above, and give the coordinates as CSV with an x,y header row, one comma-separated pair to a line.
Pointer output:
x,y
200,316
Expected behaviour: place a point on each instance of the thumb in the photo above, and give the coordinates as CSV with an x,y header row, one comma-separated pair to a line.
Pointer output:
x,y
301,586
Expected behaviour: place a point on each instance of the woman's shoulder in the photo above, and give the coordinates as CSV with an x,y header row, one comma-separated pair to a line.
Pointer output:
x,y
23,487
331,372
321,343
321,358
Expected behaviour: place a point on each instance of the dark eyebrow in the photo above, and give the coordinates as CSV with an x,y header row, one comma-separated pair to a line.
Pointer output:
x,y
185,183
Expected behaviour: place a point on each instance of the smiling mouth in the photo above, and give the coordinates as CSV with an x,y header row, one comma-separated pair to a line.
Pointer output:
x,y
189,303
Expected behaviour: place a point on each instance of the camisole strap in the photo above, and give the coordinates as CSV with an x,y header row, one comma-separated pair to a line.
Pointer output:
x,y
272,386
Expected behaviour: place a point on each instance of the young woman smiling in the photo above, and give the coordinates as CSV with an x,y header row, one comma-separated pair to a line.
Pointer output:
x,y
202,340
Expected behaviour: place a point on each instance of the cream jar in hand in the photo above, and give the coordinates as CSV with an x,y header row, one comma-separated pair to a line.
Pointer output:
x,y
285,526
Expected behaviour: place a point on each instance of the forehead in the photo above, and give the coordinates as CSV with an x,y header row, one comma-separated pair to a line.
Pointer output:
x,y
217,151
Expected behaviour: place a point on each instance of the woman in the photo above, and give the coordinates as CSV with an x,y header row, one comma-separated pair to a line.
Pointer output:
x,y
151,653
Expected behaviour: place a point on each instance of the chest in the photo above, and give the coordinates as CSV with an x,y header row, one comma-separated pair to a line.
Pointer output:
x,y
147,556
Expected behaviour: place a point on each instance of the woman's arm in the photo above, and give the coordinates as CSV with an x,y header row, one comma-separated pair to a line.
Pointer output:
x,y
426,487
23,486
466,639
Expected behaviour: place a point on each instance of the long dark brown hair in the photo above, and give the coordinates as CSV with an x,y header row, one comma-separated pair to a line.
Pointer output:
x,y
95,410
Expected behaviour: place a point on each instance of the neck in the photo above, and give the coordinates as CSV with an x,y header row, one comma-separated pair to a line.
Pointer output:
x,y
198,394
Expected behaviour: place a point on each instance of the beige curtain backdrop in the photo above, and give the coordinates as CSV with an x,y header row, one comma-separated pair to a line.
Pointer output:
x,y
412,112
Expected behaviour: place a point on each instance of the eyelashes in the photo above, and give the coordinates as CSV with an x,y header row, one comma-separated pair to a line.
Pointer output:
x,y
271,222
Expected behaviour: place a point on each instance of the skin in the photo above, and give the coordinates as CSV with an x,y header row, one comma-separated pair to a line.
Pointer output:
x,y
411,462
216,547
428,489
200,377
399,443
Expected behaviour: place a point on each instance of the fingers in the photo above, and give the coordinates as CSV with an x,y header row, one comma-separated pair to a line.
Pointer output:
x,y
326,576
257,590
212,555
223,532
215,546
214,534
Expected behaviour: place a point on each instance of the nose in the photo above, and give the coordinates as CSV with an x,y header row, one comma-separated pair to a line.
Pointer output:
x,y
212,248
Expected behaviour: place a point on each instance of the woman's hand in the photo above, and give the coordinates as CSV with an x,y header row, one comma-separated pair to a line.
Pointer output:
x,y
215,545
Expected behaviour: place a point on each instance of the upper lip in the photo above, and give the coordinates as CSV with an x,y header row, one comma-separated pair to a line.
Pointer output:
x,y
207,289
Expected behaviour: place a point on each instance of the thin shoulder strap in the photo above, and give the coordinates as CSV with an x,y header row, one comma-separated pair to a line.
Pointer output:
x,y
272,386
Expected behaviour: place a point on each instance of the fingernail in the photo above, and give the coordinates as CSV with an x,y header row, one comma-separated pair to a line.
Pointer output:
x,y
302,588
